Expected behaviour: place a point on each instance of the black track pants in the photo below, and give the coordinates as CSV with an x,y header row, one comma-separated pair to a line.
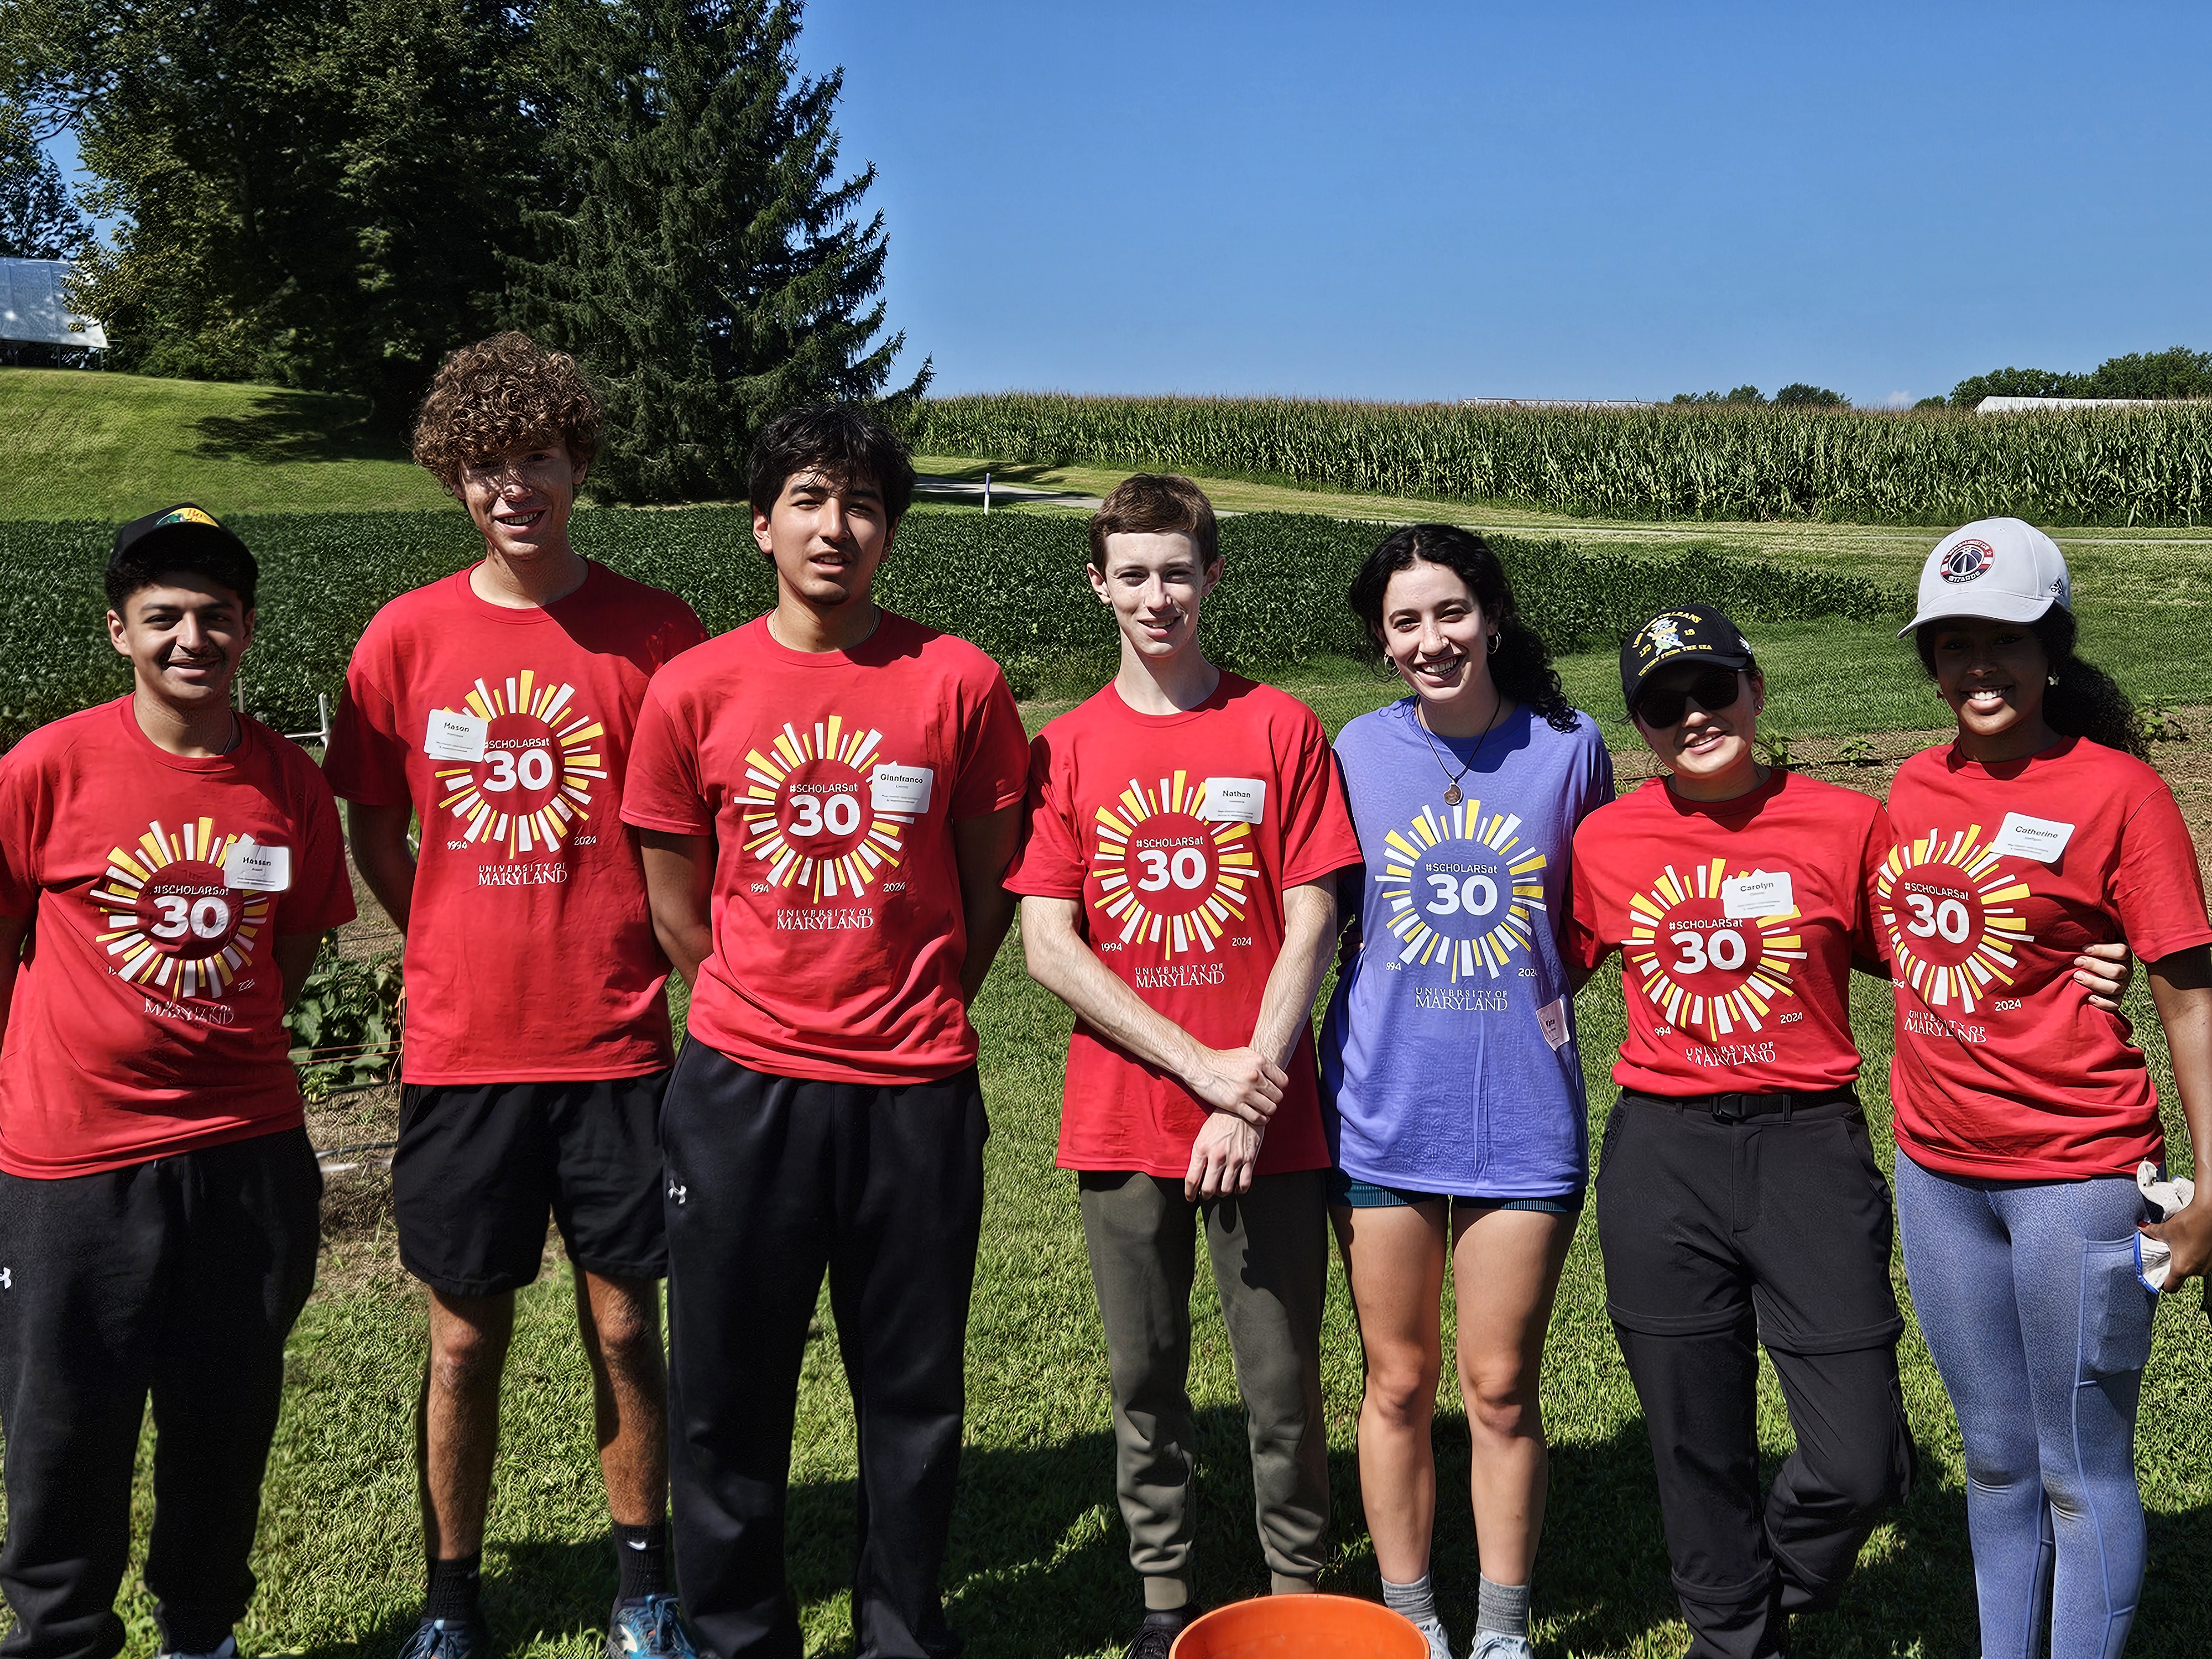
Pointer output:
x,y
770,1180
179,1278
1717,1236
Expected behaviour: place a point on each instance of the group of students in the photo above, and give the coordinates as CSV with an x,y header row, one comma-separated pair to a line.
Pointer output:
x,y
559,789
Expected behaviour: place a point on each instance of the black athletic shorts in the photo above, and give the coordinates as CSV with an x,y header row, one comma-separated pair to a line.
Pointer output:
x,y
479,1165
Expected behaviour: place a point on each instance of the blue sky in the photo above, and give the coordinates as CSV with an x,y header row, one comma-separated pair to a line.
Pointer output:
x,y
1440,201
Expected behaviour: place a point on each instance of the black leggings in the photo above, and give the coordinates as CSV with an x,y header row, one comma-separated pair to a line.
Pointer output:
x,y
1717,1236
179,1278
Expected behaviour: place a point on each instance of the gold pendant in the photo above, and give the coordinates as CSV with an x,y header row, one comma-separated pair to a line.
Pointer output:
x,y
1452,796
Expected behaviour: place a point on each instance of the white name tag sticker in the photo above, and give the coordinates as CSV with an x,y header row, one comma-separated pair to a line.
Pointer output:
x,y
455,736
1233,800
2040,839
1761,893
253,868
900,789
1553,1016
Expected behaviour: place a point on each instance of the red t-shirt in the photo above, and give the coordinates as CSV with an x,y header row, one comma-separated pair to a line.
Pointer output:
x,y
1999,878
1179,833
530,951
148,1017
1737,922
831,780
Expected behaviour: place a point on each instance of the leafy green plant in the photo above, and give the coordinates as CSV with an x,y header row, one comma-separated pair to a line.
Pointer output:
x,y
1855,752
345,1023
1772,746
2158,724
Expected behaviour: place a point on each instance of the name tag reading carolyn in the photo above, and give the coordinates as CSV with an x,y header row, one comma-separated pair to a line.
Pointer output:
x,y
253,868
900,789
1233,800
455,736
2040,839
1761,893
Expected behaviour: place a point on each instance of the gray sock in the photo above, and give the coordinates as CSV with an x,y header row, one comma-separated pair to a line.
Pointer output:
x,y
1416,1601
1501,1607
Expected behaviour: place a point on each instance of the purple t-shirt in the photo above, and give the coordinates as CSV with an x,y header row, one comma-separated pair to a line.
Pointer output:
x,y
1449,1062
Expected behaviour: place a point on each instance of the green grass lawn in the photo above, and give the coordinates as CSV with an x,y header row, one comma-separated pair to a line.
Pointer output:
x,y
87,446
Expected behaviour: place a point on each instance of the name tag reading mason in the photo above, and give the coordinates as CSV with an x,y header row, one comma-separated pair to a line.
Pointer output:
x,y
1761,893
2040,839
1233,800
455,736
253,868
900,789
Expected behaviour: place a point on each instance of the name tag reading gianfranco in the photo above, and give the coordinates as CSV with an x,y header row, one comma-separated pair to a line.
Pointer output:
x,y
1761,893
900,789
1233,800
2040,839
253,868
455,736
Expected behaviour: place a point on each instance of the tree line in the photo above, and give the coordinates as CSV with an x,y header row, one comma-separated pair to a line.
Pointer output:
x,y
2175,373
330,194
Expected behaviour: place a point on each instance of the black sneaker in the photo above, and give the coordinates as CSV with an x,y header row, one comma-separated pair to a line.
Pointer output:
x,y
1158,1631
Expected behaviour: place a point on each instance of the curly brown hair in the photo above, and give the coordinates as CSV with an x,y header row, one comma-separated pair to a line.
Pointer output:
x,y
500,394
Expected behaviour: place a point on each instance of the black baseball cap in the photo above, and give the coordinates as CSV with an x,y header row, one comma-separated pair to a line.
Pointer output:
x,y
182,525
1690,633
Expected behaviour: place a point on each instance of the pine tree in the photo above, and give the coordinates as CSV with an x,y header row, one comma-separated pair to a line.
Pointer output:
x,y
702,257
37,219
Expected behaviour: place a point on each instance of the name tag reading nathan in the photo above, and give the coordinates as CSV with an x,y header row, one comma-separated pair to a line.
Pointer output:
x,y
254,868
455,736
1233,800
2040,839
1761,893
900,789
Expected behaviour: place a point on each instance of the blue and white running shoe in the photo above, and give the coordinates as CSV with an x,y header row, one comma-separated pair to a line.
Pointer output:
x,y
449,1639
648,1628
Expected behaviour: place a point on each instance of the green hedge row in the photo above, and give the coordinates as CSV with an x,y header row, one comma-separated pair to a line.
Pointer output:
x,y
1012,582
2146,466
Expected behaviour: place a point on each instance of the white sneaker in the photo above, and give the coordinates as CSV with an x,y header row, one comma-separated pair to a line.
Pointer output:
x,y
227,1650
1497,1644
1439,1643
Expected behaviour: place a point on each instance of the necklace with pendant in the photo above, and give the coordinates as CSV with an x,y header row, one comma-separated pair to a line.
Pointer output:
x,y
1452,796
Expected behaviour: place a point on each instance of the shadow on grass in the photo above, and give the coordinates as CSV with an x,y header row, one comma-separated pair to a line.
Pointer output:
x,y
281,427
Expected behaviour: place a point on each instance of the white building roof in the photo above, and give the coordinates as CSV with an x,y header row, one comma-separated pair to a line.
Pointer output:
x,y
2015,406
32,306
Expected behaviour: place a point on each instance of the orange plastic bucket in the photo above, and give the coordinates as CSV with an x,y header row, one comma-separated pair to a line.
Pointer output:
x,y
1301,1628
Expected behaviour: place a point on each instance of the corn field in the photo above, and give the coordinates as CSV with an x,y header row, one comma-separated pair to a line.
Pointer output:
x,y
2134,466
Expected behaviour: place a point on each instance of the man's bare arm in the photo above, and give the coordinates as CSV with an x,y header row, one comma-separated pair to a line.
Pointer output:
x,y
985,847
679,885
378,835
1241,1081
1308,940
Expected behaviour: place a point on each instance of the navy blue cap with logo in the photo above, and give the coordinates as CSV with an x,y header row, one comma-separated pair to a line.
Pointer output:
x,y
1699,634
184,524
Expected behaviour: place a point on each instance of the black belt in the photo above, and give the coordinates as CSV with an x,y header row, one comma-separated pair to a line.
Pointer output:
x,y
1734,1109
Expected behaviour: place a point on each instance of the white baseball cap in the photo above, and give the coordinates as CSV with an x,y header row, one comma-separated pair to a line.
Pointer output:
x,y
2005,569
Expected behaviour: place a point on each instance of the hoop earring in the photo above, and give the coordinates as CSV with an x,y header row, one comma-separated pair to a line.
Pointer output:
x,y
1493,645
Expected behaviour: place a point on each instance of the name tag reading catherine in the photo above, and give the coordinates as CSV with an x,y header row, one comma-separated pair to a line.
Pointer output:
x,y
1233,800
1552,1018
1761,893
2040,839
900,789
455,736
253,868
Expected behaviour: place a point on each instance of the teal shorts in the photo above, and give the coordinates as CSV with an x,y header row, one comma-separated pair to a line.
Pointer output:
x,y
1349,1191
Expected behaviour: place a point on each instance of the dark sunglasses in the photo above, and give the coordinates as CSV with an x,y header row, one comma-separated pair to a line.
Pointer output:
x,y
1714,689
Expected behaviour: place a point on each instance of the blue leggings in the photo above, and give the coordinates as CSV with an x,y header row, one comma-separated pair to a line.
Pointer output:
x,y
2028,1296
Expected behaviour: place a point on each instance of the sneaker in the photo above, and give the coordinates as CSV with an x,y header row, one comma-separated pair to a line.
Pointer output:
x,y
1439,1643
648,1628
449,1638
1497,1644
227,1650
1158,1631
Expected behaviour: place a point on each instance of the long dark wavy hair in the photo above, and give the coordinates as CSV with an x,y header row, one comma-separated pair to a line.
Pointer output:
x,y
2086,703
1521,667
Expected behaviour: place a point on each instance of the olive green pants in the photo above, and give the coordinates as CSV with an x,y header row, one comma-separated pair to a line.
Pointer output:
x,y
1270,1254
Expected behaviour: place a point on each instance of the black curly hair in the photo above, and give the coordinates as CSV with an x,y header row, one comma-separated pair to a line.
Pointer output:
x,y
1521,667
2086,703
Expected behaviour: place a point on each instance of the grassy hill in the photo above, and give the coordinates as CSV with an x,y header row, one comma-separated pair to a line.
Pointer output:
x,y
83,445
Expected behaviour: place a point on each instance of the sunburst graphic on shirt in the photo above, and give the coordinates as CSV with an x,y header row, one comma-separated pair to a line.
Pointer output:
x,y
1950,909
1703,969
1462,887
1167,875
542,757
809,812
173,923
